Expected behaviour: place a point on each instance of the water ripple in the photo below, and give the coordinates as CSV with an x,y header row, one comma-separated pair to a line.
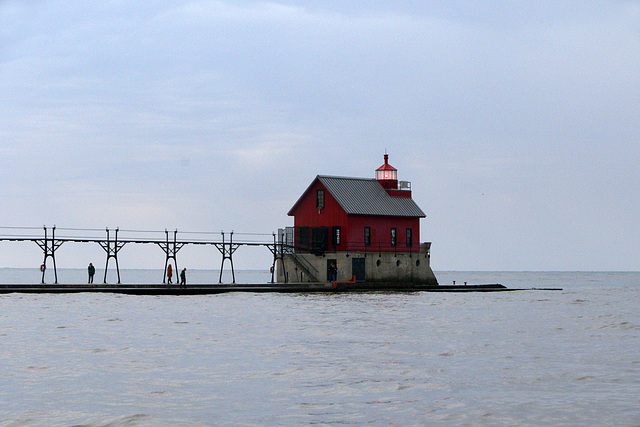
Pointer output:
x,y
519,358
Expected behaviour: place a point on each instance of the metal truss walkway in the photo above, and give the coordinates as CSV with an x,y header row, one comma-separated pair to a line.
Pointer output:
x,y
116,239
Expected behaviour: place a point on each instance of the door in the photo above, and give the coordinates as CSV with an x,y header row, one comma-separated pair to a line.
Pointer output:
x,y
357,269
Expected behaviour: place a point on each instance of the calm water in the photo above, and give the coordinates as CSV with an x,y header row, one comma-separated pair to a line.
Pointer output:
x,y
568,357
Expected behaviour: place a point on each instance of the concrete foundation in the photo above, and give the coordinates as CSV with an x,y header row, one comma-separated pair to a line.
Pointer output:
x,y
359,266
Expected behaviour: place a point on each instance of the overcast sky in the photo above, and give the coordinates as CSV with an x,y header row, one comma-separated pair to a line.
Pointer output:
x,y
518,123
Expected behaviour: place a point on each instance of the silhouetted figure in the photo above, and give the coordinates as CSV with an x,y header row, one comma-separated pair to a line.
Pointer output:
x,y
183,278
333,272
169,273
91,270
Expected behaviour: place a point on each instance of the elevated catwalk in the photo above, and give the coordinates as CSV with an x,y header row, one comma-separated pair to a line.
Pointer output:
x,y
112,243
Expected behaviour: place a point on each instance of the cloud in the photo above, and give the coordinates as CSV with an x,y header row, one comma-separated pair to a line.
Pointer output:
x,y
509,118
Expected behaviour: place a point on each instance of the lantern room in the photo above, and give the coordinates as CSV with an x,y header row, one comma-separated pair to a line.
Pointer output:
x,y
387,175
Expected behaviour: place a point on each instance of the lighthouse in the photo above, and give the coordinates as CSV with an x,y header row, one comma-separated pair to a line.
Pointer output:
x,y
365,228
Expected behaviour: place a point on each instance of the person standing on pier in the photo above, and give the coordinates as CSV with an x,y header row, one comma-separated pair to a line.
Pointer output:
x,y
183,278
333,272
169,273
91,270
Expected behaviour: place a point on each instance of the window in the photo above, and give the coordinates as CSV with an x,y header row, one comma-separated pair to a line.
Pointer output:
x,y
320,199
394,237
367,236
409,237
336,236
304,237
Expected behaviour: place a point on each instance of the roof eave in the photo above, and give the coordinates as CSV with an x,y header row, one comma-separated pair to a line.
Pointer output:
x,y
397,216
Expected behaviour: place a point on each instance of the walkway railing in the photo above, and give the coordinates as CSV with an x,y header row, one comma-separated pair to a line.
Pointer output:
x,y
49,239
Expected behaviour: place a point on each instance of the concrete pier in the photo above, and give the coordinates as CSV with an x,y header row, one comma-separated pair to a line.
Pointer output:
x,y
203,289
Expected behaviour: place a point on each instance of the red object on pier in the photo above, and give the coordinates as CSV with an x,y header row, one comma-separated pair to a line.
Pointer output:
x,y
342,214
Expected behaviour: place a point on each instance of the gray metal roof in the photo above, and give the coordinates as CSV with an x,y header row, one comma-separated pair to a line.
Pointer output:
x,y
362,196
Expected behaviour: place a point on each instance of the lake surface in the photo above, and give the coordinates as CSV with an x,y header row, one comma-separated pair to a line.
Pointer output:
x,y
569,357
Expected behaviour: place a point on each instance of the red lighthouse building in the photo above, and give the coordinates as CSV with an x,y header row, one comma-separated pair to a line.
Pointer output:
x,y
359,229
